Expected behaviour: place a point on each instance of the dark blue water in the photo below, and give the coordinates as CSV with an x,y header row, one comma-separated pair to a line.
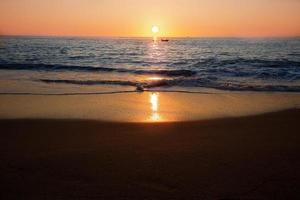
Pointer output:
x,y
50,65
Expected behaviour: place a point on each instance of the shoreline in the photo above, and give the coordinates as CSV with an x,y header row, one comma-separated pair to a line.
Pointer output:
x,y
254,157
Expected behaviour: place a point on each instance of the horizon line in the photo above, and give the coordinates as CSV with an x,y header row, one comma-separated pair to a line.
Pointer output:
x,y
105,36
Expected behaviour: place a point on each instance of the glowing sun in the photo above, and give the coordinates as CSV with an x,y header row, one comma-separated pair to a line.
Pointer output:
x,y
155,29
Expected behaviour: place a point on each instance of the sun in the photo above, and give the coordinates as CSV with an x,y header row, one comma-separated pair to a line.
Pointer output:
x,y
155,29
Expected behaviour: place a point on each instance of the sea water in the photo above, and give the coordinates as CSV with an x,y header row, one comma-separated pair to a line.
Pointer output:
x,y
52,65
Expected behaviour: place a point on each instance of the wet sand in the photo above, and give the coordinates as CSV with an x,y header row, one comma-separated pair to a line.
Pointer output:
x,y
254,157
146,106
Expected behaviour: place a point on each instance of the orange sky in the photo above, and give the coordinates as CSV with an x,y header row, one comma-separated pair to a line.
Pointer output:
x,y
210,18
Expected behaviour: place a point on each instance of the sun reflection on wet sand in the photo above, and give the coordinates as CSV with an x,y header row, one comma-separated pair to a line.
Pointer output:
x,y
155,116
154,102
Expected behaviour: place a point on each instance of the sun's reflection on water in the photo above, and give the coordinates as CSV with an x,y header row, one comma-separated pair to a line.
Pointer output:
x,y
155,78
154,100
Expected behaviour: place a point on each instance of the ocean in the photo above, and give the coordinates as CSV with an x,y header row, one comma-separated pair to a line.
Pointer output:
x,y
59,65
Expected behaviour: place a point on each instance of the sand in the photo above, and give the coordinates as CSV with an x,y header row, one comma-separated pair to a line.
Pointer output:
x,y
145,107
254,157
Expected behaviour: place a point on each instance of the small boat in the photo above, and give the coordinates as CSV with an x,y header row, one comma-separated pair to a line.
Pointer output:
x,y
164,40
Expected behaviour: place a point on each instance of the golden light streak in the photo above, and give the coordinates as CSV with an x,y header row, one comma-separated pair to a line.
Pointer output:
x,y
155,78
155,116
154,102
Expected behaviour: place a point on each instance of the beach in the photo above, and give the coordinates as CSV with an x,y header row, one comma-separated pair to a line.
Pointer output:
x,y
249,155
201,126
149,100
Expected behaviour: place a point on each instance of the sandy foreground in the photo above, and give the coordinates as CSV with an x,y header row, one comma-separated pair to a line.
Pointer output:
x,y
255,157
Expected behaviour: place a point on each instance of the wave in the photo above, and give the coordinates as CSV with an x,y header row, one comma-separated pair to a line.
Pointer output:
x,y
254,68
47,67
204,82
243,62
90,82
150,84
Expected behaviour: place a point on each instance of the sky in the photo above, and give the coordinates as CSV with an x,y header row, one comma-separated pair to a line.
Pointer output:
x,y
175,18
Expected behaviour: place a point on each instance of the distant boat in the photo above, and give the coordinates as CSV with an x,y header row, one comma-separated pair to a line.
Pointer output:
x,y
164,40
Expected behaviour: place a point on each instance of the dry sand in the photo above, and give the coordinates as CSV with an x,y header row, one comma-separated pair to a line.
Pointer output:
x,y
254,157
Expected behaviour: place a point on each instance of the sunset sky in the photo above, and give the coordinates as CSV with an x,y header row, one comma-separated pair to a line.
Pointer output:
x,y
194,18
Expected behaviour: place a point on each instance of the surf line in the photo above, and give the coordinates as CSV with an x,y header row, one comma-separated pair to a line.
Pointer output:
x,y
100,93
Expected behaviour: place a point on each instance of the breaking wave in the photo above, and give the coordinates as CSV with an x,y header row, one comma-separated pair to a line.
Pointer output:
x,y
207,83
46,67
